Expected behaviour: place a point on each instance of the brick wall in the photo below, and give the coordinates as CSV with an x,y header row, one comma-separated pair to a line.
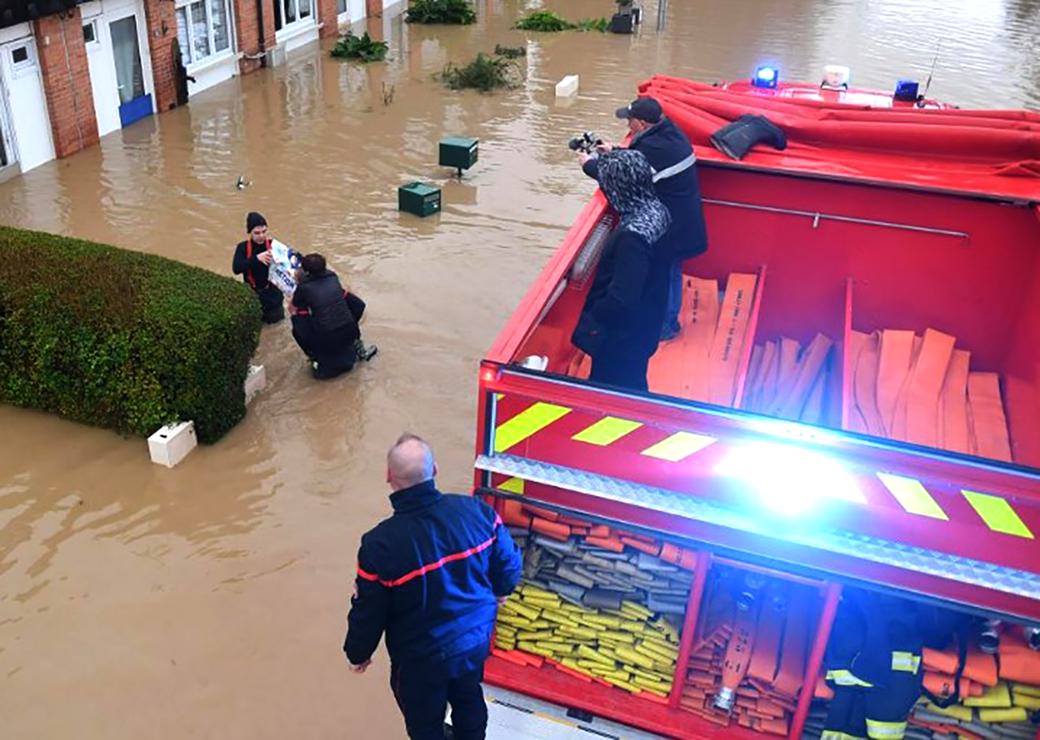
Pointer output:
x,y
374,8
66,81
248,33
162,30
327,17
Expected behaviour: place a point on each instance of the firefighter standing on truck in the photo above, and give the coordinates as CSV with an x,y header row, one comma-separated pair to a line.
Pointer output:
x,y
430,577
252,261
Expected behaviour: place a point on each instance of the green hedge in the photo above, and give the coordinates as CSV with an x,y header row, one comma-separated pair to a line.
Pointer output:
x,y
121,339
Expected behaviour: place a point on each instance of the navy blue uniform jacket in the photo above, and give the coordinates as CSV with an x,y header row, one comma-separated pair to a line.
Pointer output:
x,y
429,577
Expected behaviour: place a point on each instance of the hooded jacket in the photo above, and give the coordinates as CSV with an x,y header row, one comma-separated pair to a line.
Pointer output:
x,y
628,297
675,181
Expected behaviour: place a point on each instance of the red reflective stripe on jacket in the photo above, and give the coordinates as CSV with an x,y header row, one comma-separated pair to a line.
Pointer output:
x,y
430,566
366,575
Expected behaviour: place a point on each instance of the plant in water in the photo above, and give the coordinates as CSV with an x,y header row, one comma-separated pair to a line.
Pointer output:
x,y
485,73
594,24
543,20
510,52
363,48
441,11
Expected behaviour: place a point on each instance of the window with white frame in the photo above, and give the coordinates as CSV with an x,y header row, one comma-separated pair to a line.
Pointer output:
x,y
90,35
289,13
203,29
23,57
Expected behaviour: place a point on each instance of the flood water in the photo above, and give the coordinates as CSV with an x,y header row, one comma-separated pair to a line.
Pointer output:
x,y
209,600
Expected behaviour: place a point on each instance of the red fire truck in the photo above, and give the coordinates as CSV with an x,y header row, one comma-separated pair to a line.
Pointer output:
x,y
878,215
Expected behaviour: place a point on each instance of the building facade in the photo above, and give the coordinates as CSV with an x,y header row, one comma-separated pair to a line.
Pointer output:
x,y
72,71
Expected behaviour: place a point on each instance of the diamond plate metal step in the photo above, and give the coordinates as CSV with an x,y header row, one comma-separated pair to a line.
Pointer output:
x,y
885,552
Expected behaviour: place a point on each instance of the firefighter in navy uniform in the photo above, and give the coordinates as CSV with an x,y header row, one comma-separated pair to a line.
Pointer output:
x,y
430,577
252,260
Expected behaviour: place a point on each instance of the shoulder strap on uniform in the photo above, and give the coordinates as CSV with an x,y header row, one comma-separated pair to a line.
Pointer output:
x,y
249,270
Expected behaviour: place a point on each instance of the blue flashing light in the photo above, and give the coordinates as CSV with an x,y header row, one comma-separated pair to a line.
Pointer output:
x,y
766,76
790,480
906,90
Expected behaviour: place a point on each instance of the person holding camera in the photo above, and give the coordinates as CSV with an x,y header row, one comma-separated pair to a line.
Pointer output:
x,y
620,323
325,320
673,163
252,261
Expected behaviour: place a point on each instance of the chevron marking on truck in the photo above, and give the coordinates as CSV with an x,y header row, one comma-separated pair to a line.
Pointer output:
x,y
679,446
997,514
606,431
912,496
531,420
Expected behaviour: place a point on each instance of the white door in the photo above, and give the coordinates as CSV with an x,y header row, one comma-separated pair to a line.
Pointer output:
x,y
102,65
27,127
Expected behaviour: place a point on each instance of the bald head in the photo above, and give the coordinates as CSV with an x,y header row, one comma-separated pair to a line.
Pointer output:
x,y
409,462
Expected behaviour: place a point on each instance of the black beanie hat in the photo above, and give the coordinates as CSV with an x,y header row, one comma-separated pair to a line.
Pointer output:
x,y
254,219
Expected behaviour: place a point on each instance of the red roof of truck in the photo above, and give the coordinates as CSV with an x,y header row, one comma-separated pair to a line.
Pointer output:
x,y
847,135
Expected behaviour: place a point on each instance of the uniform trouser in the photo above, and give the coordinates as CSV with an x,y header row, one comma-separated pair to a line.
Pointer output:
x,y
271,303
333,350
423,698
846,715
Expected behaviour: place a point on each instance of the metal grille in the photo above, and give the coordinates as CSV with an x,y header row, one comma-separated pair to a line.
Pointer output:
x,y
587,259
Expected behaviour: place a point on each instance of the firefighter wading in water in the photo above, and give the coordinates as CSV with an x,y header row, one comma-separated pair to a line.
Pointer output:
x,y
430,577
252,260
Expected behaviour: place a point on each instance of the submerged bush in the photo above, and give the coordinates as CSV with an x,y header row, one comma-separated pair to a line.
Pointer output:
x,y
594,24
362,48
121,339
510,52
484,73
543,20
441,11
546,20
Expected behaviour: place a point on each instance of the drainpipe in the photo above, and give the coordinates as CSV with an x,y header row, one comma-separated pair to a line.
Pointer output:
x,y
260,24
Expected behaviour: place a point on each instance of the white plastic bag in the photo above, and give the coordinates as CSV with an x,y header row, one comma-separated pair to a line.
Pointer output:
x,y
284,261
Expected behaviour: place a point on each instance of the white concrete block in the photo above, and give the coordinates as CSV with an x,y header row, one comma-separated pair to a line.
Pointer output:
x,y
567,86
172,443
256,381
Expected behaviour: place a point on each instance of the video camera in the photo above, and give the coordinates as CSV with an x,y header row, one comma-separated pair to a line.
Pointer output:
x,y
585,142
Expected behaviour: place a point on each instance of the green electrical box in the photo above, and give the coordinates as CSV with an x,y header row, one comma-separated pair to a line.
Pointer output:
x,y
418,198
458,152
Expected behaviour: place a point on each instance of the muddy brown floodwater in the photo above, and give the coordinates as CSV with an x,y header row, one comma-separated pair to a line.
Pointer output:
x,y
209,600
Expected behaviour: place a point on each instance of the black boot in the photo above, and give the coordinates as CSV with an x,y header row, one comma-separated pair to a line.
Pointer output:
x,y
363,352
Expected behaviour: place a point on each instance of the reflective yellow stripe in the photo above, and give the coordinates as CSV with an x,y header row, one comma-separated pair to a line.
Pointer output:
x,y
835,735
678,446
877,729
905,662
912,496
998,514
846,678
530,421
513,485
607,430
